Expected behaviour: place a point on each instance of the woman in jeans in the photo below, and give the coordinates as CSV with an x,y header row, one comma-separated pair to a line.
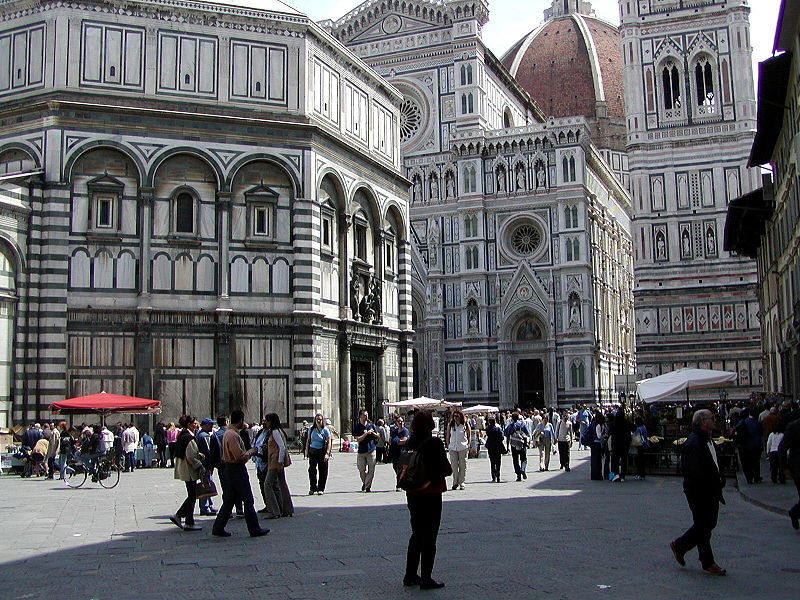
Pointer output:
x,y
318,450
279,500
188,468
457,439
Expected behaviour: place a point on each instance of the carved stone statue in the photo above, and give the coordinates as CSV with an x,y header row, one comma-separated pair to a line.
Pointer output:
x,y
434,188
377,301
433,242
355,294
540,180
501,180
574,312
417,190
450,187
520,177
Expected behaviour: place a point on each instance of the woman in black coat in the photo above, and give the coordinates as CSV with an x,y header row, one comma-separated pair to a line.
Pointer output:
x,y
425,503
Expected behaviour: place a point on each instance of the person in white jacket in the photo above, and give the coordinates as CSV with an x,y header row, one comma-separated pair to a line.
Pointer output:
x,y
774,440
130,440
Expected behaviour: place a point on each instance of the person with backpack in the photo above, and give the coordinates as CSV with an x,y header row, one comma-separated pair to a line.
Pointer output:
x,y
424,467
640,441
276,491
517,438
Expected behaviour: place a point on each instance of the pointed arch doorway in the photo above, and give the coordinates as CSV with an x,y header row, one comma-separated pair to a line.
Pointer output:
x,y
530,383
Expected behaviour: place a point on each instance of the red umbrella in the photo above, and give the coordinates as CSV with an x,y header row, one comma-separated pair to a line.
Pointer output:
x,y
105,404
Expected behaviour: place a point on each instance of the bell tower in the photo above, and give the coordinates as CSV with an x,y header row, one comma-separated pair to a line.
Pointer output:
x,y
690,111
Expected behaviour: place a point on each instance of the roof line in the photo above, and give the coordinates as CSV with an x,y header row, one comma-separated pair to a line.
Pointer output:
x,y
523,49
594,60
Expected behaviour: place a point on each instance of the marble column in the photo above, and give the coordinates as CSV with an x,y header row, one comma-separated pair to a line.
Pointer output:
x,y
346,425
224,234
146,216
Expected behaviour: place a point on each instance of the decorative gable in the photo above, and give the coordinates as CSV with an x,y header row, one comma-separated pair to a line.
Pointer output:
x,y
377,19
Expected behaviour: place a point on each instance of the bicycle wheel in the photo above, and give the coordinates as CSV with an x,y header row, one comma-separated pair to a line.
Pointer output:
x,y
108,474
74,475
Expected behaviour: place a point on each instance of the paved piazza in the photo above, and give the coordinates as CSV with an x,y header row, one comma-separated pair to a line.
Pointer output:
x,y
557,535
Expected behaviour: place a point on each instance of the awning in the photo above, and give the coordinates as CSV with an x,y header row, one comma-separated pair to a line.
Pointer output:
x,y
663,386
746,223
104,404
773,81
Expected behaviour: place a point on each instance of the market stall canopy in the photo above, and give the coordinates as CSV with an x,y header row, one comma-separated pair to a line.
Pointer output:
x,y
104,404
422,402
480,408
658,388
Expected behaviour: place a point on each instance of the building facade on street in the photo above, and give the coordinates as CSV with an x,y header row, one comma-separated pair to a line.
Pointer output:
x,y
763,223
192,209
521,248
690,106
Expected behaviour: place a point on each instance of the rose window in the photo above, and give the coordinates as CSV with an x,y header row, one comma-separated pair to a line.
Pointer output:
x,y
410,119
525,239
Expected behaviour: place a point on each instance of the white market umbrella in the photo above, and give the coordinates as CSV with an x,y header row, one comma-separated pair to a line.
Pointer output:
x,y
421,402
480,408
663,386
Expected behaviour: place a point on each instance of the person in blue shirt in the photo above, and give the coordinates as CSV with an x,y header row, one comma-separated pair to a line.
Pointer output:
x,y
518,435
147,449
318,450
366,435
749,440
398,435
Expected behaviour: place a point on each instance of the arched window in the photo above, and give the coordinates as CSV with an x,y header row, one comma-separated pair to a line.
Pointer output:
x,y
470,103
704,82
573,249
470,179
184,213
463,104
472,257
469,75
572,168
471,226
651,104
671,86
565,169
508,119
570,216
475,378
463,74
577,374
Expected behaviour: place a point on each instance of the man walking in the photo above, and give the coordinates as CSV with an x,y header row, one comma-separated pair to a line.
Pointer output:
x,y
702,484
203,438
366,435
237,484
564,438
790,454
215,459
749,440
517,437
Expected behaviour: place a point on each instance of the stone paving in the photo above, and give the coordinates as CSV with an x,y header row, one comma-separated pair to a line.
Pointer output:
x,y
778,498
556,535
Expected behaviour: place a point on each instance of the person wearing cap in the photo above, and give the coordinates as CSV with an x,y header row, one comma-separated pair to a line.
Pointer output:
x,y
203,438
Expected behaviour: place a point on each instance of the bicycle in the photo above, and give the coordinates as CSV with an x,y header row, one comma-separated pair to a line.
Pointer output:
x,y
106,473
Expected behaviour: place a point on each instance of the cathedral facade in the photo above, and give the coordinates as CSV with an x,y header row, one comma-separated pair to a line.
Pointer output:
x,y
691,114
521,264
192,209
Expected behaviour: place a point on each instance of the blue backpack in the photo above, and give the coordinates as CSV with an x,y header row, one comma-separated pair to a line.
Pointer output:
x,y
589,435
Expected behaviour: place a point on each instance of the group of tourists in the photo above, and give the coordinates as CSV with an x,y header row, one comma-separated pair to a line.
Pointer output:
x,y
47,448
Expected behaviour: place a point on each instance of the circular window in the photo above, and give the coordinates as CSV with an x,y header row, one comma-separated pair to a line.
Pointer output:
x,y
526,239
410,119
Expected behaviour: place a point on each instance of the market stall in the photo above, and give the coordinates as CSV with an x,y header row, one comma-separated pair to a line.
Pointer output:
x,y
668,414
104,404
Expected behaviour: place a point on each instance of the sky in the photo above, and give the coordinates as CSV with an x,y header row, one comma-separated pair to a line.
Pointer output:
x,y
506,25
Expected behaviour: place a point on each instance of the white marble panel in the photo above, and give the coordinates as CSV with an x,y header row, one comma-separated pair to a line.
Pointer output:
x,y
162,279
260,276
126,272
280,277
184,273
103,271
239,275
205,274
79,270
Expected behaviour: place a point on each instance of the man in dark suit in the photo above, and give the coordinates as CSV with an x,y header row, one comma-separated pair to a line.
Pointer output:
x,y
702,484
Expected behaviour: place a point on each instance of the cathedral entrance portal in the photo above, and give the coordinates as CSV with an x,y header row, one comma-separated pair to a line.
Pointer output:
x,y
362,388
530,384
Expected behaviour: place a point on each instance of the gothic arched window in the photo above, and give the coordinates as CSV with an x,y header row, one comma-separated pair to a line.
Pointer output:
x,y
671,83
704,82
577,374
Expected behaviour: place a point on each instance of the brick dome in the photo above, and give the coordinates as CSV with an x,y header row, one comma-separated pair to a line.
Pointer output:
x,y
571,65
